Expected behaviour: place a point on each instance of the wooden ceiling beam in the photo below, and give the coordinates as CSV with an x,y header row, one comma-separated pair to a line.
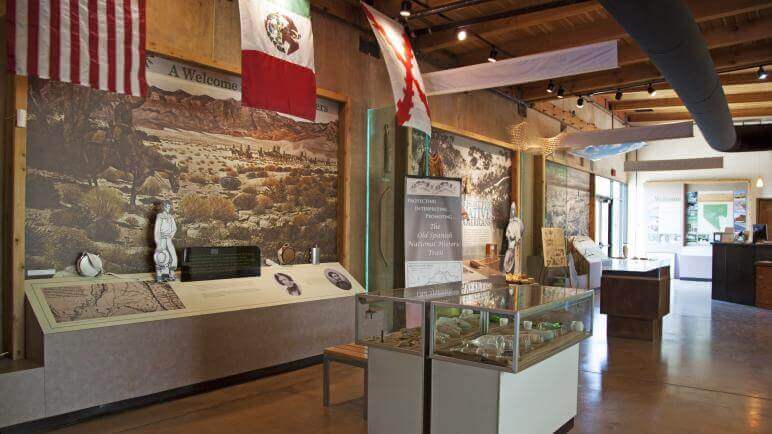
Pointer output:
x,y
608,29
684,116
601,30
565,117
641,73
447,38
646,103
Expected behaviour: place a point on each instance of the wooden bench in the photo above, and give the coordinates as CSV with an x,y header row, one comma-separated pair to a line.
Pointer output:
x,y
349,354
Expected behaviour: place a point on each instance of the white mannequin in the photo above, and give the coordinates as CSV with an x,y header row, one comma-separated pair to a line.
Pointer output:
x,y
165,257
514,235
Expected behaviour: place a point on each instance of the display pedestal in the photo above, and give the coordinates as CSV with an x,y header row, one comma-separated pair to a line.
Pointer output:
x,y
635,295
539,400
395,384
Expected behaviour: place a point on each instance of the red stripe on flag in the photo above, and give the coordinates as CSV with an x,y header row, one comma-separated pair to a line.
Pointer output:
x,y
141,60
56,12
75,41
127,51
10,16
33,20
111,45
93,44
274,84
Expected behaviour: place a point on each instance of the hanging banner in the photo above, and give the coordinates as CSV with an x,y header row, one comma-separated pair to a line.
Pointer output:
x,y
277,56
433,231
406,82
525,69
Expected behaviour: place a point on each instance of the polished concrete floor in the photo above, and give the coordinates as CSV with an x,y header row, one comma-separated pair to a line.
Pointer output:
x,y
712,373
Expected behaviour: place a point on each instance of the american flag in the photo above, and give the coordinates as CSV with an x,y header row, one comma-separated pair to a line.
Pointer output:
x,y
95,43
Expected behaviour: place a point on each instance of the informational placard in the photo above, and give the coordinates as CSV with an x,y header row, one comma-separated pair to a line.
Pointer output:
x,y
433,231
554,246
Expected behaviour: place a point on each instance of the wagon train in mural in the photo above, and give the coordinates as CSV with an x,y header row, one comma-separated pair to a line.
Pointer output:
x,y
99,163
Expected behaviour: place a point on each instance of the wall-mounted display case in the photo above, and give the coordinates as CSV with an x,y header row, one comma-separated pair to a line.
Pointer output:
x,y
509,329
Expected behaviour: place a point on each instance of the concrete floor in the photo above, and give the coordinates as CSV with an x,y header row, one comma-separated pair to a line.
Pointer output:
x,y
712,373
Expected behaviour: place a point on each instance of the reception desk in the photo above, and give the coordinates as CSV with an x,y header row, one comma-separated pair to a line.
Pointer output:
x,y
635,294
734,271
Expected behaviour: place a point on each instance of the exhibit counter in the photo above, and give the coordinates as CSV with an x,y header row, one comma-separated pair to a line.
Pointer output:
x,y
486,361
635,294
113,338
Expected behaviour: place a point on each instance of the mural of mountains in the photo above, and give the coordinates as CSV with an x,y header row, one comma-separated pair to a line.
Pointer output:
x,y
202,113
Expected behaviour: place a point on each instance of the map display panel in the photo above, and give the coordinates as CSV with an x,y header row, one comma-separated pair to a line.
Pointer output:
x,y
105,300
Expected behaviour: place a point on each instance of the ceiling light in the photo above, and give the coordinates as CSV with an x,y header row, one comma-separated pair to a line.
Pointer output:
x,y
618,95
580,102
651,90
405,9
761,73
561,92
550,87
461,34
494,54
759,182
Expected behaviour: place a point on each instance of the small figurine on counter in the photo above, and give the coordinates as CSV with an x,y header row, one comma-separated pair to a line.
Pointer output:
x,y
165,257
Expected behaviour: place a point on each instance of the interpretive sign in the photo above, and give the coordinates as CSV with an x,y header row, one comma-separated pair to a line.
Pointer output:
x,y
433,231
554,245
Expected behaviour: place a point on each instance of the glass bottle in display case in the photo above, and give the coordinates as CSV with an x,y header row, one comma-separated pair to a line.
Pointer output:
x,y
510,328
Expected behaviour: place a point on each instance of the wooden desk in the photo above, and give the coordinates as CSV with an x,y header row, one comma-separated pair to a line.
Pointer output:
x,y
734,271
635,294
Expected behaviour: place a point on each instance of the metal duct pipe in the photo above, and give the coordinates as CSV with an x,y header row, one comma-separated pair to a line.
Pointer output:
x,y
667,32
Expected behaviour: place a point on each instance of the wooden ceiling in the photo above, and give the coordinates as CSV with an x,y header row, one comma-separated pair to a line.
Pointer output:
x,y
738,34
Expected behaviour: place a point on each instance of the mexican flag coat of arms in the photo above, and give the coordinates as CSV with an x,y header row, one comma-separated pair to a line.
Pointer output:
x,y
277,56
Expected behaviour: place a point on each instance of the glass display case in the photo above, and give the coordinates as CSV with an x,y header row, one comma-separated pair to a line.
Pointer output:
x,y
510,328
396,319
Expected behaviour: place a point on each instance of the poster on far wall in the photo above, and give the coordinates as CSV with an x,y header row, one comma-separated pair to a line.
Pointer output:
x,y
664,215
740,206
98,163
485,171
567,199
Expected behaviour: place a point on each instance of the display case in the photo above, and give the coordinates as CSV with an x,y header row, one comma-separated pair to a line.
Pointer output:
x,y
396,319
509,329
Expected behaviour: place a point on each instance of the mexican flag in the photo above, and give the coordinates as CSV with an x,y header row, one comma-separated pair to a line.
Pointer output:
x,y
277,56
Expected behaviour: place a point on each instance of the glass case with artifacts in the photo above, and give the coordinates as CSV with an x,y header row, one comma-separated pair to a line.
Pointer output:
x,y
395,319
510,328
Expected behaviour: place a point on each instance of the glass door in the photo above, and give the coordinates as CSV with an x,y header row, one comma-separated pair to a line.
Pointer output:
x,y
603,213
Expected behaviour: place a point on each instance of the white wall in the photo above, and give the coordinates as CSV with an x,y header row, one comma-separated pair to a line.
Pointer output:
x,y
742,165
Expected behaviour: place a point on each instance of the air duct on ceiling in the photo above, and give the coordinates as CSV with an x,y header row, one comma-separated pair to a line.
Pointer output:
x,y
667,32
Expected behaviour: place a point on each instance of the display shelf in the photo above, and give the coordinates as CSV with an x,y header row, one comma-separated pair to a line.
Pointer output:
x,y
395,319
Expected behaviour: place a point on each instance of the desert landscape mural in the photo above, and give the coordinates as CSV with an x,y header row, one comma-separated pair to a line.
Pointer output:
x,y
99,163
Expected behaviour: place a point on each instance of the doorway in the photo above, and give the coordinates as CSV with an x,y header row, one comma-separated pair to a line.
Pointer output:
x,y
764,211
603,224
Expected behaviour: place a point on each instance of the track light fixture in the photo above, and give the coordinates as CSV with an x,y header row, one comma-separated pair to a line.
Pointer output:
x,y
461,34
492,57
651,90
618,95
580,102
405,11
561,92
550,87
761,73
